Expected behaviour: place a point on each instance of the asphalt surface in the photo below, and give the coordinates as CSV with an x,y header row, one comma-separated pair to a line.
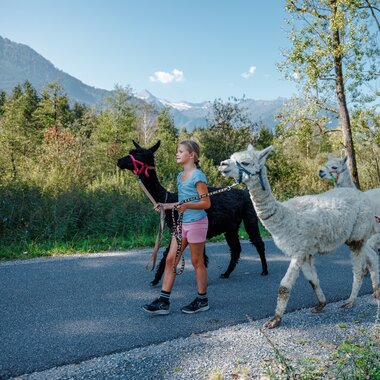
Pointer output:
x,y
62,310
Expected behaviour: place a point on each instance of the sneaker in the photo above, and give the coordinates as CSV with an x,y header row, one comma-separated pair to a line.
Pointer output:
x,y
197,305
157,307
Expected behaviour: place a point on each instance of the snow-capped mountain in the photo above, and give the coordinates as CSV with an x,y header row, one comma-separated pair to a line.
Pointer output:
x,y
191,115
185,114
180,106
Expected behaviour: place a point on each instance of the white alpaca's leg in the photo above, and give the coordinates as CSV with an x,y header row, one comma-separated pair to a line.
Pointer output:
x,y
284,290
358,260
309,271
372,261
374,242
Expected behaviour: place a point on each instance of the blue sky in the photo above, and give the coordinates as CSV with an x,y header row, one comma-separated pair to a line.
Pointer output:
x,y
178,50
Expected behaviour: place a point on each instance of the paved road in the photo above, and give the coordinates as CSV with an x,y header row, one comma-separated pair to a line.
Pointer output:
x,y
68,309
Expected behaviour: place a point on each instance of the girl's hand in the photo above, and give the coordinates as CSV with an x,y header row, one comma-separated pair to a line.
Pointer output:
x,y
164,206
181,208
159,206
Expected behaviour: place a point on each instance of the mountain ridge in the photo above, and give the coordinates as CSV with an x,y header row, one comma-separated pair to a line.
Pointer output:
x,y
19,62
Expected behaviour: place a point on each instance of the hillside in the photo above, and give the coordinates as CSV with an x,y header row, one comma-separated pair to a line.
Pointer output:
x,y
19,63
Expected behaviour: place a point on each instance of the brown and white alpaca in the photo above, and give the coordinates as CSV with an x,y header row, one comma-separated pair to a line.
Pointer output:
x,y
305,226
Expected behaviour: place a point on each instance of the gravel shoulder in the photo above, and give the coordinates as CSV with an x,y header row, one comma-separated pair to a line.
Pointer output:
x,y
237,352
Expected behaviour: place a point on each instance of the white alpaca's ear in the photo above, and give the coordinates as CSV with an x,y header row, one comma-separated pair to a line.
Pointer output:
x,y
250,148
263,154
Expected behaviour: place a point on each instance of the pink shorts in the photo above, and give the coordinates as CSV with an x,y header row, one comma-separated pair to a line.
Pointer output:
x,y
195,232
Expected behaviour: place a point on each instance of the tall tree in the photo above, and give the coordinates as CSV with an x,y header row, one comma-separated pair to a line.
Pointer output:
x,y
168,135
53,110
116,127
366,122
229,130
146,122
117,121
334,53
3,98
18,133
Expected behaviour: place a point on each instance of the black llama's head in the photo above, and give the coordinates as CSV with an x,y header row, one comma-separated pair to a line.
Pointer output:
x,y
139,159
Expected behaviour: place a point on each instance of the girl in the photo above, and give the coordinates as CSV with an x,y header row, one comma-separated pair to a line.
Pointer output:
x,y
191,182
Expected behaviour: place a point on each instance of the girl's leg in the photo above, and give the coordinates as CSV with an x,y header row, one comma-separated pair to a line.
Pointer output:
x,y
200,303
169,275
160,306
197,260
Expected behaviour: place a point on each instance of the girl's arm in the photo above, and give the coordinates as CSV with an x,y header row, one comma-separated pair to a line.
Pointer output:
x,y
165,206
203,203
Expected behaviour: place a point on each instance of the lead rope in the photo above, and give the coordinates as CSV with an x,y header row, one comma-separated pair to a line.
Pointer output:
x,y
157,244
177,225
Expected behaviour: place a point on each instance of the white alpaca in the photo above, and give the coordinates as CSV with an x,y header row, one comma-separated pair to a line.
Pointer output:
x,y
305,226
337,171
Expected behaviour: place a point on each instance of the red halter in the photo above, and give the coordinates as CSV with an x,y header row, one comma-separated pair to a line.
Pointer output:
x,y
144,167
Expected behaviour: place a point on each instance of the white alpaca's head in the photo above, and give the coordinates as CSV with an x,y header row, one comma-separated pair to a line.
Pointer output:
x,y
243,165
333,168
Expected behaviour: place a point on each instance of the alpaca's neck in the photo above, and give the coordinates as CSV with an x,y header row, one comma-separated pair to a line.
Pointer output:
x,y
156,190
265,203
345,179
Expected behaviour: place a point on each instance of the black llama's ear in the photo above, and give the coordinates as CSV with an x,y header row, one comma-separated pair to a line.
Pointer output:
x,y
155,146
136,145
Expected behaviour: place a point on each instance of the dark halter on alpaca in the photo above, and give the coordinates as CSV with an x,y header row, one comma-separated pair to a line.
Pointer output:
x,y
244,170
259,173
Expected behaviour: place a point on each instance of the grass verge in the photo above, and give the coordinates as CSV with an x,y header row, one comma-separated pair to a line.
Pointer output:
x,y
28,249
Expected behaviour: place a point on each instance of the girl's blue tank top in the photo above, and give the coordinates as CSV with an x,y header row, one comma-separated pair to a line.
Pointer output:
x,y
186,190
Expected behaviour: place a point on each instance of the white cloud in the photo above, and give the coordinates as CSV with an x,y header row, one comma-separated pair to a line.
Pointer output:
x,y
163,77
250,72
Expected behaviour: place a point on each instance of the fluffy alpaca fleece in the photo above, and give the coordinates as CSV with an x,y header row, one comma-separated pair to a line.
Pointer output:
x,y
337,171
305,226
228,210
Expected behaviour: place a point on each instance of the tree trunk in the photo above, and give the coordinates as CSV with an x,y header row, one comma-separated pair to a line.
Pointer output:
x,y
14,168
377,172
342,103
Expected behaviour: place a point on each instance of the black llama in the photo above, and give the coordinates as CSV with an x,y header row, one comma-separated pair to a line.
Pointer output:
x,y
227,211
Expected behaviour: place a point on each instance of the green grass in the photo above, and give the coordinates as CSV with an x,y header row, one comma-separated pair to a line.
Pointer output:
x,y
110,217
91,244
28,249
